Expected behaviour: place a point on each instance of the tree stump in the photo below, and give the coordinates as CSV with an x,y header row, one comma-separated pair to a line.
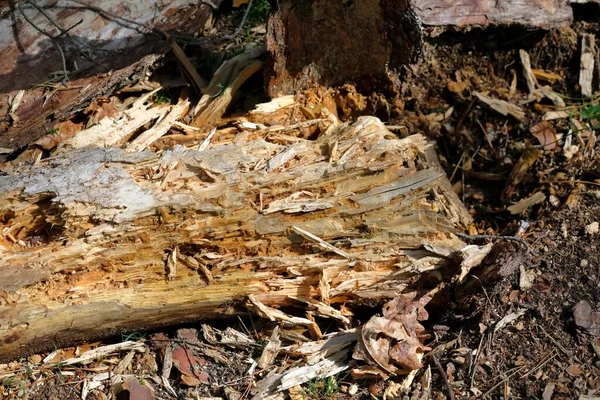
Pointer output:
x,y
332,42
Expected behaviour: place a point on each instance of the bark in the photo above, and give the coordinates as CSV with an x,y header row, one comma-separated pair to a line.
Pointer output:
x,y
102,54
332,42
543,14
97,241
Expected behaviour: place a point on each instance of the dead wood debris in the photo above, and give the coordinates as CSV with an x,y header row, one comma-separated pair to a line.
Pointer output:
x,y
294,348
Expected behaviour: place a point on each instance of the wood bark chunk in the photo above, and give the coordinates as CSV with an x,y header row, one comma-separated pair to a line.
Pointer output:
x,y
98,72
546,14
501,106
224,85
97,225
586,74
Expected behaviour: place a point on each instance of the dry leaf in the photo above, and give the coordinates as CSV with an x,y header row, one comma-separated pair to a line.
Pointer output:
x,y
62,131
395,341
186,361
137,391
587,321
574,370
548,391
544,132
100,109
457,87
237,3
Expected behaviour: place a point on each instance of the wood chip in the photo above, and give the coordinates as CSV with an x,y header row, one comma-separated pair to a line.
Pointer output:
x,y
172,264
509,318
332,365
529,76
524,204
103,352
320,242
271,350
586,67
161,128
501,106
550,77
273,314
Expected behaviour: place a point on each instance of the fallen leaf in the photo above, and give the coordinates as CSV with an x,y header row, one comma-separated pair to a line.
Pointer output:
x,y
457,87
526,278
61,132
137,391
100,109
509,318
395,341
574,370
586,320
548,391
544,132
186,361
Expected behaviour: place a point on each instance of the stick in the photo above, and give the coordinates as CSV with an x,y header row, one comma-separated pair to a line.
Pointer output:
x,y
239,28
102,11
493,237
43,32
444,377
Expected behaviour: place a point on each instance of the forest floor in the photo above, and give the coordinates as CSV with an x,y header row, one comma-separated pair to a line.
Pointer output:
x,y
546,348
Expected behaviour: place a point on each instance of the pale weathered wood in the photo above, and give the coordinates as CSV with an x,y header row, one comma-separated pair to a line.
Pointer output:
x,y
586,72
86,234
546,14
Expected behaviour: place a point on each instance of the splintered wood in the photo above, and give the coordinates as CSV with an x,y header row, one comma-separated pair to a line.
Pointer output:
x,y
98,233
586,74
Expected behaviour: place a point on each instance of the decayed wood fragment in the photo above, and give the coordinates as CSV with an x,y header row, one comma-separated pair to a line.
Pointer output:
x,y
501,106
537,92
546,14
586,72
94,229
224,85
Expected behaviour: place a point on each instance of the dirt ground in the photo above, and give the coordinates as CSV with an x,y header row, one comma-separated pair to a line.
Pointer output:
x,y
541,353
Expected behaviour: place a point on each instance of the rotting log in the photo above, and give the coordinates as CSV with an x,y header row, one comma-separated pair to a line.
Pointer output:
x,y
103,52
98,241
542,14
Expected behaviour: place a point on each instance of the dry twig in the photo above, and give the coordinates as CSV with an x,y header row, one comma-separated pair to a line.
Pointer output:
x,y
444,377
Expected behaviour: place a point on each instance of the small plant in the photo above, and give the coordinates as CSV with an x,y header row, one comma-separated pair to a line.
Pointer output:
x,y
221,87
161,97
320,388
12,382
133,336
52,131
259,13
590,113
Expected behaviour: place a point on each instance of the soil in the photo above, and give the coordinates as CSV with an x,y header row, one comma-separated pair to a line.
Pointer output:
x,y
541,353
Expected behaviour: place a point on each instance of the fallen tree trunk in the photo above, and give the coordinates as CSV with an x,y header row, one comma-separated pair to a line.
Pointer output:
x,y
98,241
